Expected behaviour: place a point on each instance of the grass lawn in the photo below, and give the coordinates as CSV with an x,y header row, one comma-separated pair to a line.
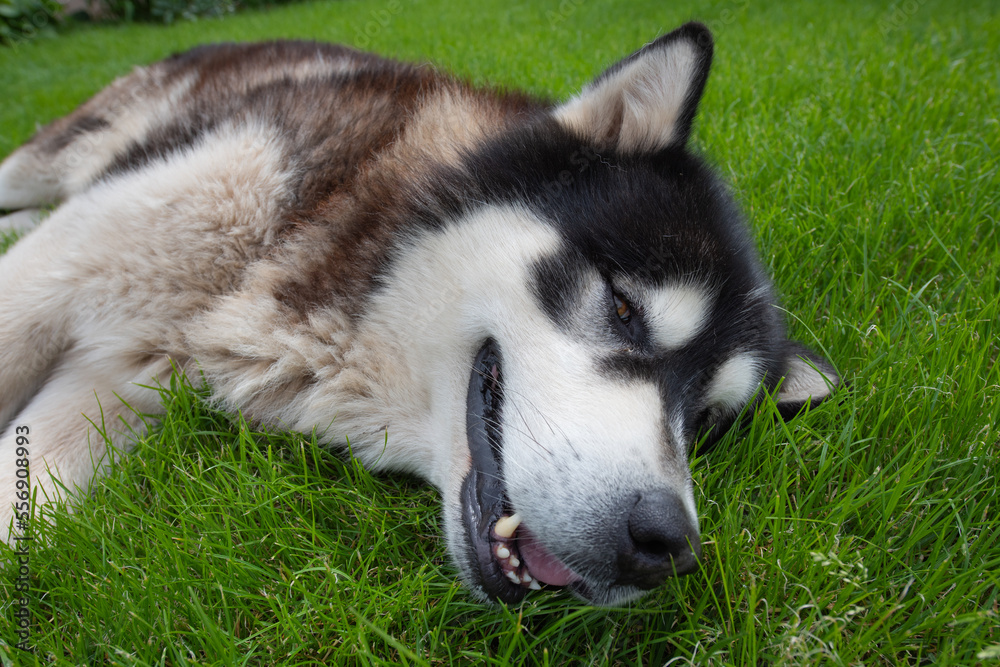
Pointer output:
x,y
863,143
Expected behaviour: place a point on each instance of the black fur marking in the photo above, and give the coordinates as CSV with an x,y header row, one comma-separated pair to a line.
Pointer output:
x,y
79,126
160,143
558,283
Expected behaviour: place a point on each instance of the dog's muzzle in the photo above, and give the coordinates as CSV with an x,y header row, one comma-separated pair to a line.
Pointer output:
x,y
649,537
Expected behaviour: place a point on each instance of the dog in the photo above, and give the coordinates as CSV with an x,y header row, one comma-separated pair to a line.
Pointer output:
x,y
540,308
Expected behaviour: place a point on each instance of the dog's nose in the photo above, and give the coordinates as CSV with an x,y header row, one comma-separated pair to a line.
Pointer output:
x,y
660,540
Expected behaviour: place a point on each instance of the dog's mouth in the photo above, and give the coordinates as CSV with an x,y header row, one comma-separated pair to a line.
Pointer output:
x,y
506,558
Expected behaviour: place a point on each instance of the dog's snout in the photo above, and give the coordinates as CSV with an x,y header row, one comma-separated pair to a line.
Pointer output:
x,y
660,540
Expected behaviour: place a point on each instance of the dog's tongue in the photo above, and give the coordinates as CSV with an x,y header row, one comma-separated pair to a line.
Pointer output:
x,y
542,565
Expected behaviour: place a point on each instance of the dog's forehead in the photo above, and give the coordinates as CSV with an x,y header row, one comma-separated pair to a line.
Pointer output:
x,y
659,229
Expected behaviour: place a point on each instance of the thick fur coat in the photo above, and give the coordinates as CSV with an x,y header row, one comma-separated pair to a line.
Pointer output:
x,y
537,307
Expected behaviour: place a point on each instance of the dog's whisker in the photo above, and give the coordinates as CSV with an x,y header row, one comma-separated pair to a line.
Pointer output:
x,y
523,432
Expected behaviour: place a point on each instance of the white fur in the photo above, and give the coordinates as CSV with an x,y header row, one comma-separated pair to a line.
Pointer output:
x,y
677,313
88,397
19,188
734,382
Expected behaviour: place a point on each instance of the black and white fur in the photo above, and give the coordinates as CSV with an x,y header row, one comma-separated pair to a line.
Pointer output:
x,y
537,307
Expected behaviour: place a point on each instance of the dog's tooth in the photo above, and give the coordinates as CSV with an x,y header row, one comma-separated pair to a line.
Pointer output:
x,y
534,586
506,525
513,577
514,562
504,552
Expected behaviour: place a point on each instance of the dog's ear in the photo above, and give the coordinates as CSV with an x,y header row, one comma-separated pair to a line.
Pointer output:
x,y
809,379
647,101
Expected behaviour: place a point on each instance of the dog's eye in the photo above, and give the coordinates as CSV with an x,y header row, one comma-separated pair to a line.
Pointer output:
x,y
625,320
623,308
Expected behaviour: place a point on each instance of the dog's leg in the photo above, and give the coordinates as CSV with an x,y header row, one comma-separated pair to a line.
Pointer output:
x,y
42,171
27,181
88,401
69,154
21,221
36,308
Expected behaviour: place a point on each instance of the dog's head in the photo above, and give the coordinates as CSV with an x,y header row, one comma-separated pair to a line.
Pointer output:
x,y
613,311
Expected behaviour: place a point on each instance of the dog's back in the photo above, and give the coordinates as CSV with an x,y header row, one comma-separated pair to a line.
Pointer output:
x,y
231,173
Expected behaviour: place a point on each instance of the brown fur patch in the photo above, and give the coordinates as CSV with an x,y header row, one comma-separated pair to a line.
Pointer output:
x,y
357,130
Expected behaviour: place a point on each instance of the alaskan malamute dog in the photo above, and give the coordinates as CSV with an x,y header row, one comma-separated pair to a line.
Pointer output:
x,y
539,308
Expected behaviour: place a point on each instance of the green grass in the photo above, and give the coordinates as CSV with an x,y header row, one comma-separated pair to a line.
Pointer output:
x,y
862,533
